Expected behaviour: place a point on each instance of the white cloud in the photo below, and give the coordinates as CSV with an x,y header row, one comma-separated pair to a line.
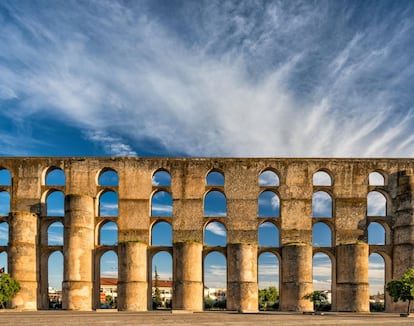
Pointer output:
x,y
239,80
217,229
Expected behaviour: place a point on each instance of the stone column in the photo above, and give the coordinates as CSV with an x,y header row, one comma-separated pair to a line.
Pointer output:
x,y
296,280
188,276
352,288
133,278
23,258
242,288
78,252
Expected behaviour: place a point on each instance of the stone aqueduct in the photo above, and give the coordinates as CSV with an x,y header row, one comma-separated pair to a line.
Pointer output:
x,y
28,251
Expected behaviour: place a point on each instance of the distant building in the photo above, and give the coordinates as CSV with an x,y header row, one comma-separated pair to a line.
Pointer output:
x,y
55,298
109,286
165,287
216,294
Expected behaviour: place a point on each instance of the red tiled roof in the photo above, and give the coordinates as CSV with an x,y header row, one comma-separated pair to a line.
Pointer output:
x,y
163,283
109,281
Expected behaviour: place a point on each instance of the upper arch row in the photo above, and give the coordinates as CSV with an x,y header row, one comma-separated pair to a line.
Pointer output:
x,y
54,176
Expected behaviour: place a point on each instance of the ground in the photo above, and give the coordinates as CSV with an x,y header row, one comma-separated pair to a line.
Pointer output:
x,y
60,318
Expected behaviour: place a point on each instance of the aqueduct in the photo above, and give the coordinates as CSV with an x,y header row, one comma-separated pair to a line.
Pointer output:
x,y
346,182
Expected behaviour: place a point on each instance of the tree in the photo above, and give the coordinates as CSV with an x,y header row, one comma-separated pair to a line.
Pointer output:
x,y
318,298
403,289
268,297
8,288
156,300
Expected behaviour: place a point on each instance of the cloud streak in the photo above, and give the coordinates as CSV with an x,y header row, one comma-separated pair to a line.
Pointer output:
x,y
220,79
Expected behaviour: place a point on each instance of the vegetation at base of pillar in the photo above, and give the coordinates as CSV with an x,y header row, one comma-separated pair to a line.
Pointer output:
x,y
403,289
156,299
8,288
269,298
319,299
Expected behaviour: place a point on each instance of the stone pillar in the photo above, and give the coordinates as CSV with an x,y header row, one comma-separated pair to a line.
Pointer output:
x,y
242,288
296,280
133,278
78,252
23,258
188,276
352,288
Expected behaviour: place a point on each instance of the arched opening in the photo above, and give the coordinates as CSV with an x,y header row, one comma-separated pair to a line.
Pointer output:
x,y
215,234
55,204
108,234
268,178
215,281
376,280
161,282
55,234
321,235
268,274
161,234
215,204
5,177
322,178
4,234
376,179
108,204
55,177
268,204
376,204
268,235
215,178
3,261
321,204
161,178
108,178
109,280
376,234
162,204
55,279
322,281
4,203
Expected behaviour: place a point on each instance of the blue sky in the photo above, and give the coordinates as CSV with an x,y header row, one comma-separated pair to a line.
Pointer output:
x,y
207,78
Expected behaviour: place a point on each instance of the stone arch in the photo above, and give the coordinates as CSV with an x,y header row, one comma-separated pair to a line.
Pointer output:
x,y
377,278
5,177
108,233
215,178
322,235
215,203
161,234
108,203
108,275
55,234
4,233
215,234
322,204
55,202
161,178
268,178
268,235
323,274
268,274
4,203
107,177
322,177
377,178
161,204
268,204
376,234
377,203
55,278
215,280
54,176
162,265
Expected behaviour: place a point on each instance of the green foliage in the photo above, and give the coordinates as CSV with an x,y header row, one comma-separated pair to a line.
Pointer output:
x,y
269,298
8,288
402,289
156,299
319,298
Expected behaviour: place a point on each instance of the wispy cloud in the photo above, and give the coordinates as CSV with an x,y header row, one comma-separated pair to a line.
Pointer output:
x,y
231,79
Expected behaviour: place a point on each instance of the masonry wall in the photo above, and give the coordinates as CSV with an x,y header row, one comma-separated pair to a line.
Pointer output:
x,y
28,222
